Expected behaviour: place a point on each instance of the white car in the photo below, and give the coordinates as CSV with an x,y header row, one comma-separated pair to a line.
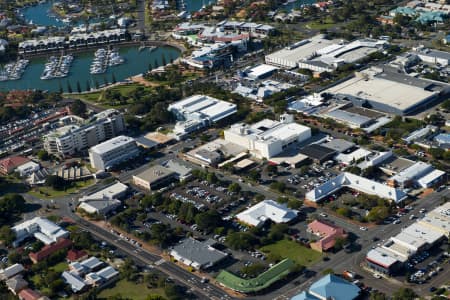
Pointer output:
x,y
363,228
324,215
377,275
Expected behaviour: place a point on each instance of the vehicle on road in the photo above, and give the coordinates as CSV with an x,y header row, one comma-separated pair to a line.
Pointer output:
x,y
377,275
363,228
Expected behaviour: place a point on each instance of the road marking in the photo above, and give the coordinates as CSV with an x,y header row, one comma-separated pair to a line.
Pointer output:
x,y
160,262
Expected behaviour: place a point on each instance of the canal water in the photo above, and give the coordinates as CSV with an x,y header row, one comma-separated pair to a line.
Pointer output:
x,y
136,62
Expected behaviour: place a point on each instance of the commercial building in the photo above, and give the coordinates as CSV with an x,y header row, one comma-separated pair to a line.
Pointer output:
x,y
419,134
330,287
327,233
267,138
70,139
266,210
99,206
337,54
358,183
339,145
181,170
199,255
350,158
154,178
352,120
42,45
418,174
424,234
108,154
215,152
40,228
384,89
199,111
318,153
432,56
290,56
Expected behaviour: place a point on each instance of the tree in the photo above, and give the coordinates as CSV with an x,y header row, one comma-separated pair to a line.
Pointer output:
x,y
378,214
7,235
128,270
211,178
88,85
241,240
279,186
328,271
78,108
234,187
377,295
113,78
272,169
69,88
11,205
208,221
344,211
253,270
404,294
78,87
43,155
56,182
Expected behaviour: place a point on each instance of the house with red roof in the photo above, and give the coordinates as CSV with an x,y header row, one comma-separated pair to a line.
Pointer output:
x,y
48,250
76,255
328,233
9,164
29,294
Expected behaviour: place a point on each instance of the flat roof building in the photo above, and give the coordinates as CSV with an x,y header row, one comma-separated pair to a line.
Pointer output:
x,y
265,210
290,56
154,177
350,119
386,90
42,229
267,138
70,139
199,255
318,153
339,145
199,111
108,154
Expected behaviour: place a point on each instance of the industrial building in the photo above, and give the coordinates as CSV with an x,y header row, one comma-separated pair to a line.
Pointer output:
x,y
199,255
432,56
108,154
386,90
318,153
358,183
153,178
419,236
418,174
267,138
70,139
266,210
40,228
199,111
290,56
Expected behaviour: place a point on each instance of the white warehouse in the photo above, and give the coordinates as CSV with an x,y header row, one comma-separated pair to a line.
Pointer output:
x,y
199,111
106,155
267,138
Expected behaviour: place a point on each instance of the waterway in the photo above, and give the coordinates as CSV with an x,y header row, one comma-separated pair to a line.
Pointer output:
x,y
41,15
136,62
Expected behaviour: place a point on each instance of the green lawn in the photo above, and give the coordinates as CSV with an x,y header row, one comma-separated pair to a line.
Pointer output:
x,y
129,290
293,250
61,267
325,24
46,192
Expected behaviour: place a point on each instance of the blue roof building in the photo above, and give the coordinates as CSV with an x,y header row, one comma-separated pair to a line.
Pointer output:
x,y
330,287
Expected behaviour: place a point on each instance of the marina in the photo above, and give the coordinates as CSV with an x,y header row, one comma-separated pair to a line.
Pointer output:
x,y
57,67
105,58
14,70
134,62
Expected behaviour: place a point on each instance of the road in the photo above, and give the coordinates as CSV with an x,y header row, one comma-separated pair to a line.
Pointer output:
x,y
141,16
140,255
342,261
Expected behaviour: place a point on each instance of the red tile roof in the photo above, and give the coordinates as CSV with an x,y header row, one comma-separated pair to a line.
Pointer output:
x,y
74,255
49,250
29,294
7,165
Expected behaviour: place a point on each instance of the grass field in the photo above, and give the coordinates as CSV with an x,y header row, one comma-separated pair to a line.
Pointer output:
x,y
325,24
293,250
46,192
130,290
